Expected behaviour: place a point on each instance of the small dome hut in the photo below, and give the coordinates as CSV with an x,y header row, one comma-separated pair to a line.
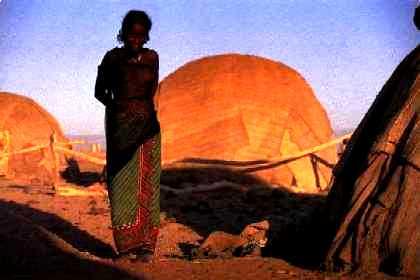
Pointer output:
x,y
243,108
24,124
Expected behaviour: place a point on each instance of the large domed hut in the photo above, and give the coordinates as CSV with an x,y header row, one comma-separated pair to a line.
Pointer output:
x,y
245,108
25,124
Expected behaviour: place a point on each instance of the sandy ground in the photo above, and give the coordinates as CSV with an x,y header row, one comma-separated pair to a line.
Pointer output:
x,y
186,222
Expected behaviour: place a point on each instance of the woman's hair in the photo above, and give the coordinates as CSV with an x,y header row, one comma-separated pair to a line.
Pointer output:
x,y
416,17
131,18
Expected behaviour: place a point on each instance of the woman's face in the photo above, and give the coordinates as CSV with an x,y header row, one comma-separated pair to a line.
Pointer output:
x,y
136,37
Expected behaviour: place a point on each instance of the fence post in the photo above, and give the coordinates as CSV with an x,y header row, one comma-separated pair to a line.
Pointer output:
x,y
55,159
4,157
95,148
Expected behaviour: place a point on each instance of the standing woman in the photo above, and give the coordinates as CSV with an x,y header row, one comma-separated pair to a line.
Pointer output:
x,y
126,83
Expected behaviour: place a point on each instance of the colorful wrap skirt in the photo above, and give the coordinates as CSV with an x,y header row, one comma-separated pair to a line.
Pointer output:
x,y
133,177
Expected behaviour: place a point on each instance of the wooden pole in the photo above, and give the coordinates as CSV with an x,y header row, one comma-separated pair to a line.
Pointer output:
x,y
55,159
56,147
26,150
204,188
257,165
74,142
81,155
35,148
274,162
95,147
4,153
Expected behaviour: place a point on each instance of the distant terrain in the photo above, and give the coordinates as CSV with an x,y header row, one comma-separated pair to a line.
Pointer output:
x,y
89,139
343,131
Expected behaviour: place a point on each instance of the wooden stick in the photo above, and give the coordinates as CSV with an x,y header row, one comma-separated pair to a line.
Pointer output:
x,y
81,155
204,188
71,191
275,162
4,159
314,149
55,158
266,164
6,140
26,150
71,142
38,147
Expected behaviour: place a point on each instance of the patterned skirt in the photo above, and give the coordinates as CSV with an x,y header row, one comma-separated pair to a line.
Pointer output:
x,y
134,196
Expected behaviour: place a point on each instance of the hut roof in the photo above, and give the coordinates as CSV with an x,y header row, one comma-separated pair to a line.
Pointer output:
x,y
373,206
26,120
28,124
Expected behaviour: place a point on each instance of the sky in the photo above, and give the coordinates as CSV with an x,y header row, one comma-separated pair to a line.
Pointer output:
x,y
345,49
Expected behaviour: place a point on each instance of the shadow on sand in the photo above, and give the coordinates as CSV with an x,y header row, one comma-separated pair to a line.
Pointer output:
x,y
73,174
78,238
294,220
293,217
26,252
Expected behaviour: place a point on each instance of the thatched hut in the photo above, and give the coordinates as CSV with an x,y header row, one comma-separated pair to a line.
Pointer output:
x,y
243,108
373,207
27,124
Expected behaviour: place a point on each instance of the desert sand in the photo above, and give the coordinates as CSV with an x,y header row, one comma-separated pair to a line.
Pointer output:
x,y
83,222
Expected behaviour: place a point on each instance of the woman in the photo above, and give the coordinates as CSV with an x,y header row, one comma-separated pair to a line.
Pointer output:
x,y
126,83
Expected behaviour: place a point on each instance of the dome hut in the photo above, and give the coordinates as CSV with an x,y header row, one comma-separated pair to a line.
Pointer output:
x,y
25,124
236,107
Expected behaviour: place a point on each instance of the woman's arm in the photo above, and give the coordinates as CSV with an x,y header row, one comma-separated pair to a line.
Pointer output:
x,y
102,88
155,63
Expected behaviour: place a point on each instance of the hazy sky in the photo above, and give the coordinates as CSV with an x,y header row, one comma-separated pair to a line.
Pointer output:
x,y
345,49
